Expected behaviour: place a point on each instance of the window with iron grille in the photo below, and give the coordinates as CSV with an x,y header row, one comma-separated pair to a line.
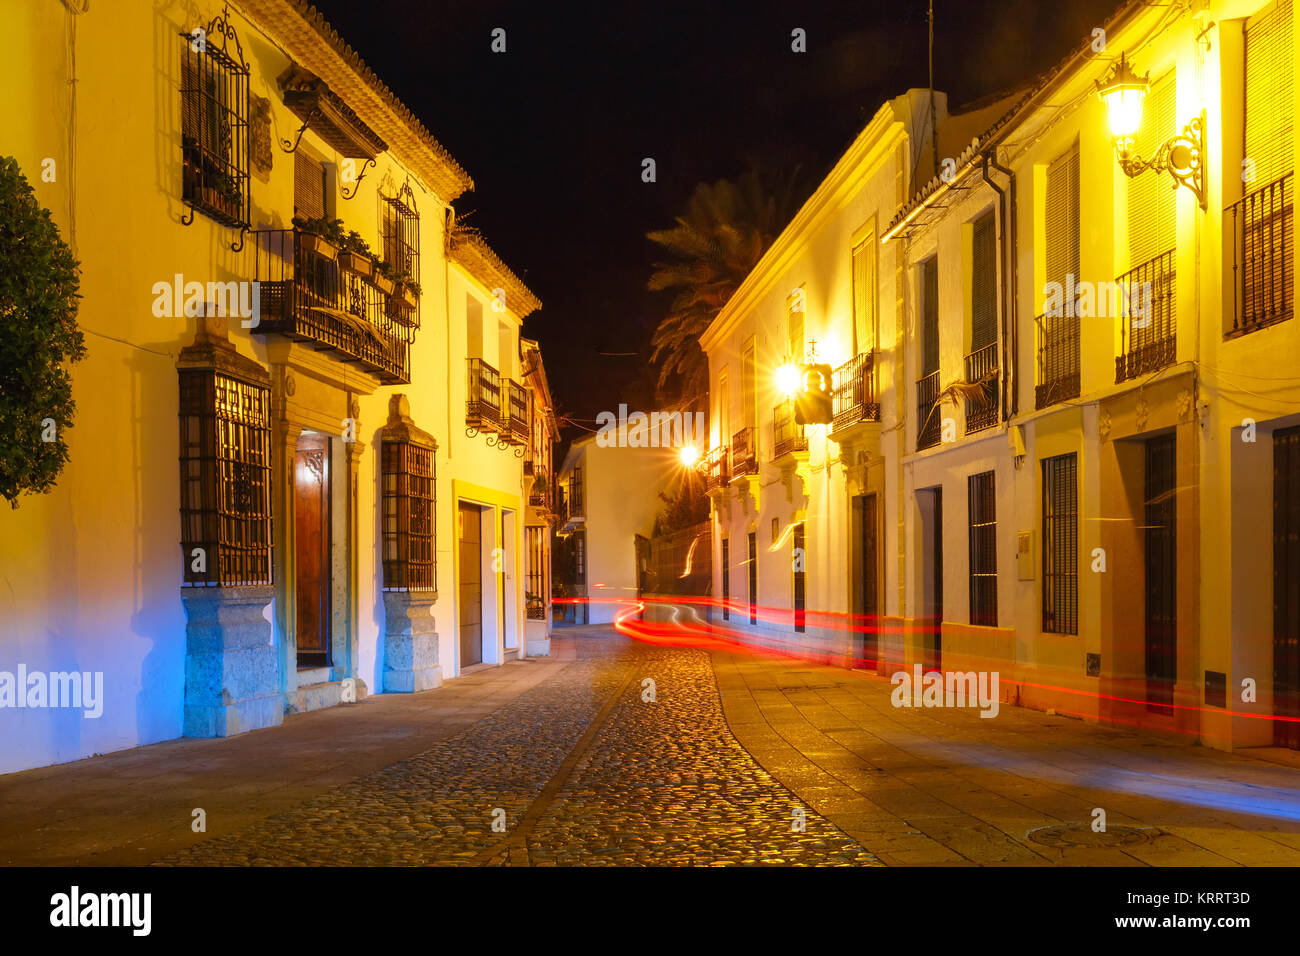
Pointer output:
x,y
536,589
409,540
399,233
215,146
1058,328
1060,545
982,518
225,465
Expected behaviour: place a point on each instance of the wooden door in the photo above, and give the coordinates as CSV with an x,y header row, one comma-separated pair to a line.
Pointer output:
x,y
471,585
311,516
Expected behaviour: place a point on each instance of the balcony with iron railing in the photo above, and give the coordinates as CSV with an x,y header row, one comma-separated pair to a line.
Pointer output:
x,y
517,427
1058,358
927,410
716,468
788,437
854,394
744,452
1261,228
982,368
308,296
483,402
540,494
1147,318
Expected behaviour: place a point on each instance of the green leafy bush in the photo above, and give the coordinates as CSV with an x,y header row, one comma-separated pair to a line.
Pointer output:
x,y
39,279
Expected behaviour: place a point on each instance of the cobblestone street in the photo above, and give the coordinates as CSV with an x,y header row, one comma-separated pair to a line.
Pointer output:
x,y
738,759
586,772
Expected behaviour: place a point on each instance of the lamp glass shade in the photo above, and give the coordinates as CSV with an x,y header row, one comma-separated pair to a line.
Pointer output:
x,y
1124,108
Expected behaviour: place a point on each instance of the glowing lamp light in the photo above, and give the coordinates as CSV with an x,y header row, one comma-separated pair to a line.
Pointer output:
x,y
690,455
1123,94
788,379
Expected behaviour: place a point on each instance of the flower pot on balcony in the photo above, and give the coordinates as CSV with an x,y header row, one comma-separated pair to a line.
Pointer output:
x,y
409,295
382,282
319,245
356,263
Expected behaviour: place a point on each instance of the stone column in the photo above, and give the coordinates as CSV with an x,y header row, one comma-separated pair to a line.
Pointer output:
x,y
410,642
232,679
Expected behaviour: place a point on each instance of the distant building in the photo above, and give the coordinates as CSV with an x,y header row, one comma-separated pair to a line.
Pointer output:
x,y
609,496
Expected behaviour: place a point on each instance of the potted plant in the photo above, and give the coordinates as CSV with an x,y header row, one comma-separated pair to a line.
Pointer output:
x,y
354,256
320,236
409,290
382,279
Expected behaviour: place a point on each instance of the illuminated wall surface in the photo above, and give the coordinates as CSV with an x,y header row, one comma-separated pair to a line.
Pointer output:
x,y
1173,418
93,570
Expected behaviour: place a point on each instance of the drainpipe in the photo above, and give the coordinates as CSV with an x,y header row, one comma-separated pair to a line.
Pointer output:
x,y
1012,273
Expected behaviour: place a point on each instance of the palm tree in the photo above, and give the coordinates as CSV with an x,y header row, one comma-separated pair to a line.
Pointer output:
x,y
725,229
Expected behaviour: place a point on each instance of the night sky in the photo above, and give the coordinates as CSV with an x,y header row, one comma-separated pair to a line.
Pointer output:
x,y
554,130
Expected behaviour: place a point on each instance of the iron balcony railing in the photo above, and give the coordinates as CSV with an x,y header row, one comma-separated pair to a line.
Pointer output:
x,y
307,296
855,392
1058,358
517,426
982,404
927,410
483,406
536,609
539,493
788,437
744,453
1263,256
715,467
1146,322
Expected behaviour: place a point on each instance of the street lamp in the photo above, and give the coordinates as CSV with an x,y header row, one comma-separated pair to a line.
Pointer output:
x,y
789,377
689,455
1183,155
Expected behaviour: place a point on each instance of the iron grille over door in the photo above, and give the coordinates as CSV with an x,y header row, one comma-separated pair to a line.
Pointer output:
x,y
982,517
753,577
726,579
1060,545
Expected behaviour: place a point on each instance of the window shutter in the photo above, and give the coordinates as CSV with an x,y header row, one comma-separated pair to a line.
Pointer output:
x,y
795,326
1063,219
864,296
747,396
1152,203
1269,126
308,186
930,315
984,288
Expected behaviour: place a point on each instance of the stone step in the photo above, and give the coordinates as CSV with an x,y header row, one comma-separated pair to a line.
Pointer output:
x,y
328,693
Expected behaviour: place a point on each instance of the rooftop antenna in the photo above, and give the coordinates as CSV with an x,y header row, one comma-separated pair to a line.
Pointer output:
x,y
934,132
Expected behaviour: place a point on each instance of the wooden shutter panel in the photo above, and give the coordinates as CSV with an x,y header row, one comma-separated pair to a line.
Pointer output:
x,y
1063,218
864,296
1152,202
1269,126
796,329
930,315
308,186
984,288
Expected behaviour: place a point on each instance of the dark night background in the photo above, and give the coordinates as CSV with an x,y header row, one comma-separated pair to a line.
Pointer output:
x,y
554,130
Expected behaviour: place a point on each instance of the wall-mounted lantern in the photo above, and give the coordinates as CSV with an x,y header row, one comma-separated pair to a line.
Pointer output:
x,y
1182,155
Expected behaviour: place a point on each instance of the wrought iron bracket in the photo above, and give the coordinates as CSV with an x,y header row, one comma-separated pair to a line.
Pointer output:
x,y
356,183
193,213
1182,156
291,146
